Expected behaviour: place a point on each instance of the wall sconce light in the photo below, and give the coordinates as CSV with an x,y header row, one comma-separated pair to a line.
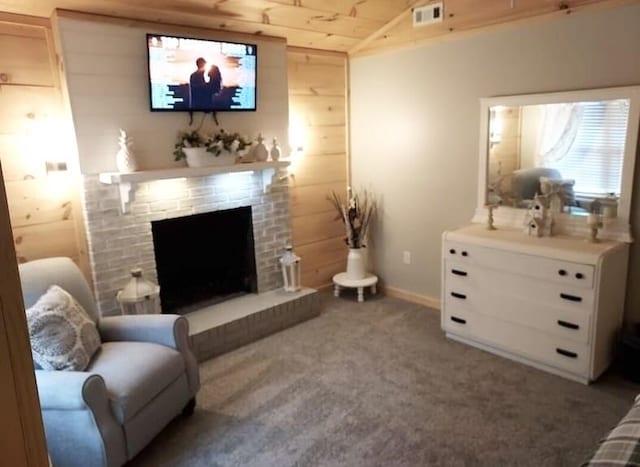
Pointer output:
x,y
495,125
297,140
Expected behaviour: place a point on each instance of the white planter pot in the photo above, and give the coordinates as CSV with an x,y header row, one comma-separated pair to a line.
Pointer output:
x,y
356,267
199,157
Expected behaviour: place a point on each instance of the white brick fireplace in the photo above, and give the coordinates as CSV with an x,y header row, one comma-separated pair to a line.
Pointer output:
x,y
120,241
106,73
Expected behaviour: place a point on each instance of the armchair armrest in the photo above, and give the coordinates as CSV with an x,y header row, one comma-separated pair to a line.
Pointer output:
x,y
70,390
168,330
80,427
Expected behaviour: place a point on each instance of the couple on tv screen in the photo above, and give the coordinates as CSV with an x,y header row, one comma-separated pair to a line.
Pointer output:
x,y
205,87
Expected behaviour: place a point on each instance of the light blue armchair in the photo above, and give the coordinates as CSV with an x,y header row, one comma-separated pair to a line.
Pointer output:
x,y
143,376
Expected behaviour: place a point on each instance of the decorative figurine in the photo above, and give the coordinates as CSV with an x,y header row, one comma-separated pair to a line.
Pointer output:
x,y
125,159
490,208
535,227
260,152
594,221
539,222
276,152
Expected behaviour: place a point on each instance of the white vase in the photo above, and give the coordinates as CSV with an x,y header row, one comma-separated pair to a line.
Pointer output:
x,y
260,151
356,268
199,157
276,152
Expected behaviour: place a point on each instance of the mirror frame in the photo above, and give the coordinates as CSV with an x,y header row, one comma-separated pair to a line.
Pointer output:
x,y
615,229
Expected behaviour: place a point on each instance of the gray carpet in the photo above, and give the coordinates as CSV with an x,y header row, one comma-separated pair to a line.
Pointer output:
x,y
378,384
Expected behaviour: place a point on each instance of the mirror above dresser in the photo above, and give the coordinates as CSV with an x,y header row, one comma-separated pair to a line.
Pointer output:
x,y
578,146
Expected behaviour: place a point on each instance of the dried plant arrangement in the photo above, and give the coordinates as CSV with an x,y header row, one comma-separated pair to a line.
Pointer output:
x,y
356,214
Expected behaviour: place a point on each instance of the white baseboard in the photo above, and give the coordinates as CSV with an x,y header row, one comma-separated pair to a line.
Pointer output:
x,y
429,302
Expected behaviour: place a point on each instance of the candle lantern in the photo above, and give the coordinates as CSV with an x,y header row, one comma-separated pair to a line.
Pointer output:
x,y
139,296
290,270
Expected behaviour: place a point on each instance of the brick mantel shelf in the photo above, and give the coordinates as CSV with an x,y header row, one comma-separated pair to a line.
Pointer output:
x,y
127,181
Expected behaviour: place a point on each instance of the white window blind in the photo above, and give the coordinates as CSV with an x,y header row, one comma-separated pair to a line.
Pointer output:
x,y
595,158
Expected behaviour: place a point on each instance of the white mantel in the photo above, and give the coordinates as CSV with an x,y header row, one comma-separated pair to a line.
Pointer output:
x,y
127,181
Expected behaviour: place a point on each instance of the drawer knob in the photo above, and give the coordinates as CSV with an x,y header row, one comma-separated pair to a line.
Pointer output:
x,y
562,272
458,272
571,298
458,320
452,251
461,296
566,353
579,275
567,324
4,77
464,253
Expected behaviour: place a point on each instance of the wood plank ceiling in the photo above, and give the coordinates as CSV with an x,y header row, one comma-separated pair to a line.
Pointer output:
x,y
355,26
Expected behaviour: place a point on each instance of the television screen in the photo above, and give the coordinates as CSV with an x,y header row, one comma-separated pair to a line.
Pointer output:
x,y
201,75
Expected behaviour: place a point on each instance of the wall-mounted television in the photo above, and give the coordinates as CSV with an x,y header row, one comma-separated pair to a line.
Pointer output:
x,y
188,74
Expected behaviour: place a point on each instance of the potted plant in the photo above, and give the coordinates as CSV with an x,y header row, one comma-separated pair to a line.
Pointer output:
x,y
219,148
356,215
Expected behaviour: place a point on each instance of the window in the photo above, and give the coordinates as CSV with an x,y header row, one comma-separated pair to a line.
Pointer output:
x,y
594,159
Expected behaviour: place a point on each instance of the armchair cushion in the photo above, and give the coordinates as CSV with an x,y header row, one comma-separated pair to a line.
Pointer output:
x,y
169,330
63,337
135,373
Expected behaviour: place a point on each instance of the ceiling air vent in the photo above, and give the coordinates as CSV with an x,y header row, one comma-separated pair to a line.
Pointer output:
x,y
428,14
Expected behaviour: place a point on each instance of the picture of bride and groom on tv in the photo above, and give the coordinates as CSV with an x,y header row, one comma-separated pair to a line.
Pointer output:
x,y
205,86
200,75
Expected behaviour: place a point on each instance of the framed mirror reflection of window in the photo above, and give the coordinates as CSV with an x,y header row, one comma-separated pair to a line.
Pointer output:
x,y
579,147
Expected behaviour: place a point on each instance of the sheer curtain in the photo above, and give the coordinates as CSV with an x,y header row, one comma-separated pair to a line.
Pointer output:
x,y
560,125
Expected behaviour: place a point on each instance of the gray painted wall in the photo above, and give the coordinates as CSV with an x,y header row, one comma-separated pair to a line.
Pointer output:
x,y
415,117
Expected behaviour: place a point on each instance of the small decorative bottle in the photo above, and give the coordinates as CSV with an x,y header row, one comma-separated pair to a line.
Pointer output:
x,y
276,152
260,152
125,159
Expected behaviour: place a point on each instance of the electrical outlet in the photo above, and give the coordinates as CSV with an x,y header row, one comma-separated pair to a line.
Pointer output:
x,y
406,257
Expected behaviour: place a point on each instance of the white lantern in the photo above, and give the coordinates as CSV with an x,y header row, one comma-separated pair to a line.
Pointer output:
x,y
290,270
139,296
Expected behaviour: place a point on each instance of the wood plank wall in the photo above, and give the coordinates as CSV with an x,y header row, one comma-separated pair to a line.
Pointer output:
x,y
22,441
45,209
504,155
318,109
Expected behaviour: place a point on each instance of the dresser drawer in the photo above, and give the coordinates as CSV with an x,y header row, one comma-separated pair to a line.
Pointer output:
x,y
541,347
562,272
566,324
488,289
457,319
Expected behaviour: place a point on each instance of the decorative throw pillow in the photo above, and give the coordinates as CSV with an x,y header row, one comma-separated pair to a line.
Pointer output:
x,y
63,337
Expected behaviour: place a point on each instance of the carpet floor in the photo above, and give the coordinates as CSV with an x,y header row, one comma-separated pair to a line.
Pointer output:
x,y
378,384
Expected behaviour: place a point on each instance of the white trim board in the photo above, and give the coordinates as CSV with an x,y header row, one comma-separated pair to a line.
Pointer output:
x,y
424,300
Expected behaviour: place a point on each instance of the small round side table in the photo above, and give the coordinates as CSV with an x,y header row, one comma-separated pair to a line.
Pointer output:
x,y
340,281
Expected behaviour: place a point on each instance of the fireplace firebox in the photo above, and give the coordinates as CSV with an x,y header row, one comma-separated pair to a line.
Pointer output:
x,y
204,259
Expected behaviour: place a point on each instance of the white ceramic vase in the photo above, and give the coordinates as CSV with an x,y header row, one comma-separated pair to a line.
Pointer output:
x,y
260,151
199,157
276,152
356,268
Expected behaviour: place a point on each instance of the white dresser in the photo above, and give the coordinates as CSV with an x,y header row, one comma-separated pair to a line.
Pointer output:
x,y
555,303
